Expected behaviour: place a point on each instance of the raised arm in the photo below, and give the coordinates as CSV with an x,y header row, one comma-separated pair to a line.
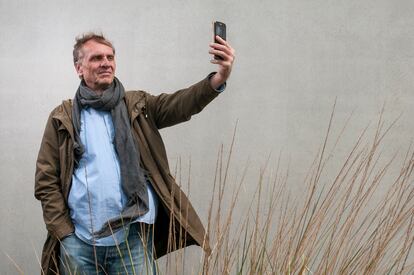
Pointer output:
x,y
171,109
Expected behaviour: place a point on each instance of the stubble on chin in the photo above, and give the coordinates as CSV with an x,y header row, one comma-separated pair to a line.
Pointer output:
x,y
102,86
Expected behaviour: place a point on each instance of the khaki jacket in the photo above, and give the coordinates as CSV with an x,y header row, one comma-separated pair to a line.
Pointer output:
x,y
148,114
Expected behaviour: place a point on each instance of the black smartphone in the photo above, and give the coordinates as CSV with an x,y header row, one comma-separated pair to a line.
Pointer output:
x,y
219,28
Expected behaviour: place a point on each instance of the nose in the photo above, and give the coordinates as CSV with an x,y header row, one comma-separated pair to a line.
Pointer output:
x,y
106,62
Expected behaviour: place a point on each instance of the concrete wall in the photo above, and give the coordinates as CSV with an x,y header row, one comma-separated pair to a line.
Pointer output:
x,y
294,58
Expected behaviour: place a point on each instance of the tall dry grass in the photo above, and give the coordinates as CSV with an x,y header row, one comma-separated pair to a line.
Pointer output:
x,y
357,219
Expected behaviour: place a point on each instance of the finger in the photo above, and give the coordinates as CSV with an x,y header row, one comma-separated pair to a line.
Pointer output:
x,y
223,48
227,49
222,54
221,40
226,54
219,46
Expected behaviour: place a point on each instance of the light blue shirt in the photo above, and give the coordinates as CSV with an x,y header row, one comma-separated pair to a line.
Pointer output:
x,y
96,194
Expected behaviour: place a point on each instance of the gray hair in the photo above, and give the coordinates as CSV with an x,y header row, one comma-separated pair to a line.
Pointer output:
x,y
83,38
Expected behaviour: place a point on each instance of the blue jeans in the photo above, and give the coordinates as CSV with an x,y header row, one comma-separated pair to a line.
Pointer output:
x,y
133,256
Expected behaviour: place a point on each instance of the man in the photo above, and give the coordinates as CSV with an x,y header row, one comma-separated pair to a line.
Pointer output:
x,y
109,202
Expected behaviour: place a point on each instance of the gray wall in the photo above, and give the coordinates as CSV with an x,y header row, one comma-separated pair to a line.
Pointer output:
x,y
294,58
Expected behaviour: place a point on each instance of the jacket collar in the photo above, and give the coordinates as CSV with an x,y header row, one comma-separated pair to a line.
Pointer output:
x,y
135,103
64,115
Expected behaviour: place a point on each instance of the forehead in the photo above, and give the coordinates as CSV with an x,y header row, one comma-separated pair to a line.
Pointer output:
x,y
93,47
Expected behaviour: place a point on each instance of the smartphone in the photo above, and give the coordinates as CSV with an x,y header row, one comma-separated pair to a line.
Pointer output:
x,y
219,28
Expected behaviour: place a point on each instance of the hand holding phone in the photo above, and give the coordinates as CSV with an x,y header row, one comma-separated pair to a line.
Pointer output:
x,y
223,53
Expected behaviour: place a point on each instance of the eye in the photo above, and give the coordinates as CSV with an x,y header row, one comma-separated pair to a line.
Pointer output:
x,y
96,58
110,57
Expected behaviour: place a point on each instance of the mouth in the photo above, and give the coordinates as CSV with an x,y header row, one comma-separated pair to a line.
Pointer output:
x,y
106,73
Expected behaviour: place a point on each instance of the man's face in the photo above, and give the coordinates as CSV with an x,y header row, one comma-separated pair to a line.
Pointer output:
x,y
96,65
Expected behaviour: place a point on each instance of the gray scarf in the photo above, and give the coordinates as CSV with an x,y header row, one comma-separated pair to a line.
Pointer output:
x,y
133,177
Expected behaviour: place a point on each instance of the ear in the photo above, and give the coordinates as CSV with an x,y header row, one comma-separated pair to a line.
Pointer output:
x,y
79,69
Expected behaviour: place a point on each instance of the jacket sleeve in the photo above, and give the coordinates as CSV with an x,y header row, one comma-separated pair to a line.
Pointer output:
x,y
170,109
48,184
